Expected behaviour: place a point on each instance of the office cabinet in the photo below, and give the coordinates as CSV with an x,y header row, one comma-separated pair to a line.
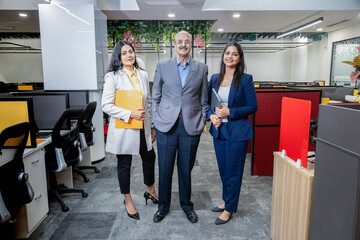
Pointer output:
x,y
31,215
291,199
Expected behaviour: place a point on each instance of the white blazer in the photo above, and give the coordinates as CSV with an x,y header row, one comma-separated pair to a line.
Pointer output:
x,y
124,141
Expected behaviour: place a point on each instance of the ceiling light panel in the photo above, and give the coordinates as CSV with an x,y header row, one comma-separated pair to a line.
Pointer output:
x,y
159,3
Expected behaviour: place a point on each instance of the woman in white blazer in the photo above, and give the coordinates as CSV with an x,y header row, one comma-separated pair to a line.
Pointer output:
x,y
125,74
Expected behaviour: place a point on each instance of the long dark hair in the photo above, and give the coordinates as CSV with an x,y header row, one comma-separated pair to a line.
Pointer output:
x,y
115,61
240,67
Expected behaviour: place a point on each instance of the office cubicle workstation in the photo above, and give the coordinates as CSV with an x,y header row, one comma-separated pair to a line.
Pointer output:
x,y
48,107
266,124
17,110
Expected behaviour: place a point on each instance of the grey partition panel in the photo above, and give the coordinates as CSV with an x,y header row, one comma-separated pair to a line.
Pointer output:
x,y
335,210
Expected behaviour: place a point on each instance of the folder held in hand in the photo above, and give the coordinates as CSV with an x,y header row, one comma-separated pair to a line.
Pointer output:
x,y
215,100
130,100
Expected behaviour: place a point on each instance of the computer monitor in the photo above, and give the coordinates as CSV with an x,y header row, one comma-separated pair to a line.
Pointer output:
x,y
48,107
77,98
18,110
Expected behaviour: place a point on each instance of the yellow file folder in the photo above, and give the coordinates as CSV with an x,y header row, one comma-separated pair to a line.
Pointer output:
x,y
130,100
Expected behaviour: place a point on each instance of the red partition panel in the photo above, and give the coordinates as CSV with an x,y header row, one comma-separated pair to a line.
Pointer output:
x,y
294,129
269,108
250,141
266,141
313,97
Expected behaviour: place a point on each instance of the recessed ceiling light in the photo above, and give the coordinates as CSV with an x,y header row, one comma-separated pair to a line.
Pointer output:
x,y
47,0
236,15
319,29
171,15
220,30
22,14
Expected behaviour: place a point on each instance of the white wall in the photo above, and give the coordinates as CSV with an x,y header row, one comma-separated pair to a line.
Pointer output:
x,y
307,63
21,66
316,61
269,67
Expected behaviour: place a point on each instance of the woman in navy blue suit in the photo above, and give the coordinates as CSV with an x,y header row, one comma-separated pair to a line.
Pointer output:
x,y
230,128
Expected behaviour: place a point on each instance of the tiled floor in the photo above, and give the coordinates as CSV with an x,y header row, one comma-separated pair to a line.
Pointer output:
x,y
102,214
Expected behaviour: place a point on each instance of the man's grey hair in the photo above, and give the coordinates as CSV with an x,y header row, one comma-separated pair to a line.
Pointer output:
x,y
184,32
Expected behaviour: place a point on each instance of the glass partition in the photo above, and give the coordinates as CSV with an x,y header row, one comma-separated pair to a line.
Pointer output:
x,y
343,51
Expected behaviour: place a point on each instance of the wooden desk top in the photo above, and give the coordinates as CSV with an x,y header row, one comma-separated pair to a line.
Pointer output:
x,y
307,172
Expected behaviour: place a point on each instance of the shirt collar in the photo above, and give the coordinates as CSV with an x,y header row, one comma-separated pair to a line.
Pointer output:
x,y
186,64
130,73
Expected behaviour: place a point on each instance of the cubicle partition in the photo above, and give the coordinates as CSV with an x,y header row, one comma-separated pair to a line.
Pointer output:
x,y
331,92
77,98
266,125
17,110
335,210
48,108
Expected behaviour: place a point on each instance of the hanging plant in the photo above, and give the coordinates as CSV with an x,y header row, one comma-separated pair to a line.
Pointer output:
x,y
152,31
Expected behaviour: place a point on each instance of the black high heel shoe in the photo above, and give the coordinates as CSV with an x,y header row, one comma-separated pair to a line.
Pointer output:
x,y
147,196
134,216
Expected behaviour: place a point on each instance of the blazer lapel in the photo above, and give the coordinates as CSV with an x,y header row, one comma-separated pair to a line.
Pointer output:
x,y
231,94
142,81
174,69
191,71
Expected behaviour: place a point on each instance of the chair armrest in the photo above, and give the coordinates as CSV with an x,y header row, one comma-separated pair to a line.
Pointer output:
x,y
83,143
60,160
4,212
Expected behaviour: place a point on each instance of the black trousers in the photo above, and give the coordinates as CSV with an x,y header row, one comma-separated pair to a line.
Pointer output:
x,y
148,164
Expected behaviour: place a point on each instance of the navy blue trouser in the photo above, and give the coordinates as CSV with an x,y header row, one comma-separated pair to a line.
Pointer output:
x,y
230,156
176,140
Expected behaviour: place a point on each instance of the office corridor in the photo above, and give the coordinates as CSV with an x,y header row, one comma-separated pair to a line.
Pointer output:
x,y
102,214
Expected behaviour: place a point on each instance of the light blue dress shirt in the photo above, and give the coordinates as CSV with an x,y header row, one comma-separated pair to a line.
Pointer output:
x,y
183,71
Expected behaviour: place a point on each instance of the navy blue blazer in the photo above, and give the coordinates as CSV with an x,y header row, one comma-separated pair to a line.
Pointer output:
x,y
241,103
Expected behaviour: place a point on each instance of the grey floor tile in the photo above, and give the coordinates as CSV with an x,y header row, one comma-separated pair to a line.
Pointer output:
x,y
105,206
85,226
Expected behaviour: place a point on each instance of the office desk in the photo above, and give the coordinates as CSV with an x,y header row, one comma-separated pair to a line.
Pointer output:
x,y
30,216
291,199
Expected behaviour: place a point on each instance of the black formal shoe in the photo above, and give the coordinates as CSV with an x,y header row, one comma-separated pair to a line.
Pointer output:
x,y
191,216
217,209
219,221
134,216
147,196
159,216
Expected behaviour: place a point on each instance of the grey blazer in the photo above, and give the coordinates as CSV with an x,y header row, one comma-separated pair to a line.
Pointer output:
x,y
168,97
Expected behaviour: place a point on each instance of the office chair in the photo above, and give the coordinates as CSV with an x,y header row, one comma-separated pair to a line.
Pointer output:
x,y
312,135
15,189
87,137
63,152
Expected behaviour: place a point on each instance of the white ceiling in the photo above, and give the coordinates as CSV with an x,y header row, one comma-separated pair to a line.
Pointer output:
x,y
270,17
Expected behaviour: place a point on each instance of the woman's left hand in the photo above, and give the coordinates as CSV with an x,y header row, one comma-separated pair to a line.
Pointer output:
x,y
153,135
222,112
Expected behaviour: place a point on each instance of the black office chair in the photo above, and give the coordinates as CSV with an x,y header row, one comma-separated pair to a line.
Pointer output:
x,y
63,152
87,137
15,189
